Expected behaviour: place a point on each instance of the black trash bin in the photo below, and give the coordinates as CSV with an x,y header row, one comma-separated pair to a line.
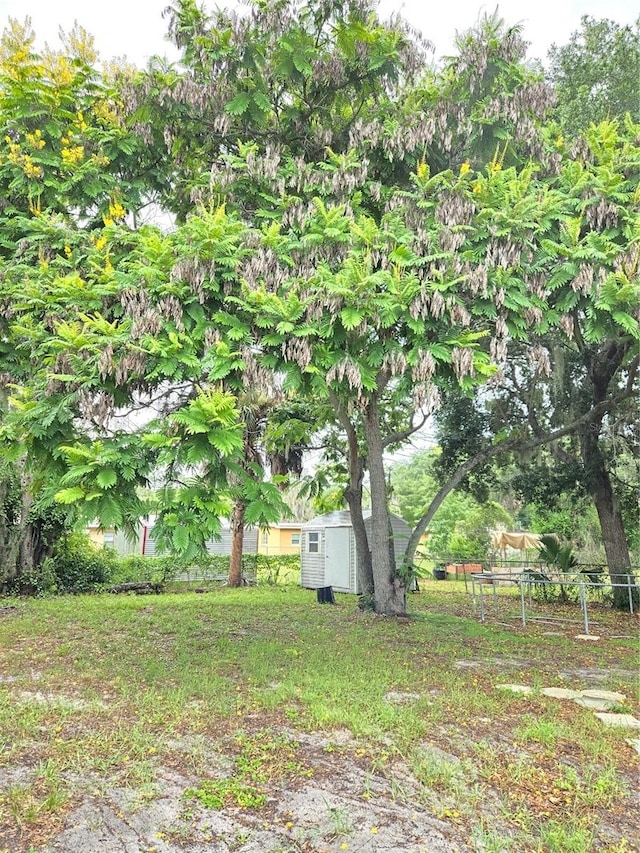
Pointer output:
x,y
325,595
440,573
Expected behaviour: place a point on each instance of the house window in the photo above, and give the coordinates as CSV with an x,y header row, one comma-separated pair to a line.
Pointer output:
x,y
295,538
265,537
313,543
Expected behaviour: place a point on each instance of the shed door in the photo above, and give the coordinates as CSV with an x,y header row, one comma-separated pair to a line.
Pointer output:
x,y
336,566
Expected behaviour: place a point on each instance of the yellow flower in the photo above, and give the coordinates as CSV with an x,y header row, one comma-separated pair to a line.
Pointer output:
x,y
465,168
15,155
67,250
30,169
477,187
560,141
423,170
116,210
101,242
35,139
73,155
374,830
108,221
496,167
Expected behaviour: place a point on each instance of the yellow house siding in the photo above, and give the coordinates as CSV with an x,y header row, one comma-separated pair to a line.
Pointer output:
x,y
279,540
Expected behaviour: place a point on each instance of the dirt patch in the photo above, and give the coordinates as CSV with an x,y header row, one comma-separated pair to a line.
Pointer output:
x,y
342,806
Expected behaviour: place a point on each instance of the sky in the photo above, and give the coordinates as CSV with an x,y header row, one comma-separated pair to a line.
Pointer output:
x,y
136,28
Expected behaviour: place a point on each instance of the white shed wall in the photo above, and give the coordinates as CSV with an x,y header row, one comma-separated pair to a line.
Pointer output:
x,y
314,574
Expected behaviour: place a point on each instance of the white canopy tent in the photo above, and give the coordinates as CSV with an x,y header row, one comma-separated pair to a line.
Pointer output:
x,y
519,541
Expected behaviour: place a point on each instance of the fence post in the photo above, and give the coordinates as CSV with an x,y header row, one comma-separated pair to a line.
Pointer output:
x,y
583,602
522,608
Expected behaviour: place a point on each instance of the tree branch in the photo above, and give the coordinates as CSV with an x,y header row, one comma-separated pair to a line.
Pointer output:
x,y
401,435
487,453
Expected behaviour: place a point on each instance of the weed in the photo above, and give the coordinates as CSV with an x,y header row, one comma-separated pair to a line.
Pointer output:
x,y
545,732
489,841
437,772
558,837
341,822
597,787
262,759
224,792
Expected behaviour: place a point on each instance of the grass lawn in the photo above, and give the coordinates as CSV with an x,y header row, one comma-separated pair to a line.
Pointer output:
x,y
258,720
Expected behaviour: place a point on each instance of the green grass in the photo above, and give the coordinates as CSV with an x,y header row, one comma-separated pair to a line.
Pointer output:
x,y
109,687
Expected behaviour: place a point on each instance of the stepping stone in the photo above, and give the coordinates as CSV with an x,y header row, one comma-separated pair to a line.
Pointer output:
x,y
607,695
398,698
600,700
634,742
586,637
625,720
515,688
560,693
594,703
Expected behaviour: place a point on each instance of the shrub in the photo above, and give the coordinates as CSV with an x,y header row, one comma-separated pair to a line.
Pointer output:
x,y
75,565
135,567
277,569
79,566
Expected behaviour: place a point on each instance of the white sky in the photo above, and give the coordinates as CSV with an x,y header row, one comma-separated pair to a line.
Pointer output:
x,y
135,28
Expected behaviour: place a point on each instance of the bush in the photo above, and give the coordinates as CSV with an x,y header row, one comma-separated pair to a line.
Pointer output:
x,y
277,569
76,565
135,567
256,568
79,566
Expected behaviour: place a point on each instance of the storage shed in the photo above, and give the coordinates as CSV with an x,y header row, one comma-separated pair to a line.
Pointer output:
x,y
328,550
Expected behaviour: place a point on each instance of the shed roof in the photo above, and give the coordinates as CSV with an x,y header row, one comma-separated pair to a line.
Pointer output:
x,y
337,518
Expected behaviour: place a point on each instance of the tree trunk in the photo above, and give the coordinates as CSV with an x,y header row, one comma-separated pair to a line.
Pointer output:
x,y
13,527
602,365
363,552
353,497
389,588
237,537
607,506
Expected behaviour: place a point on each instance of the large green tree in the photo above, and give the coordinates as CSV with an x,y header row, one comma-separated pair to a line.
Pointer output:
x,y
596,75
64,152
294,101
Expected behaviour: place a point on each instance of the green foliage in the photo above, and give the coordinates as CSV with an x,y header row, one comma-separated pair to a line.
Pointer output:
x,y
596,75
216,794
79,566
341,262
134,567
461,528
290,77
262,759
555,555
64,145
270,570
74,566
471,536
